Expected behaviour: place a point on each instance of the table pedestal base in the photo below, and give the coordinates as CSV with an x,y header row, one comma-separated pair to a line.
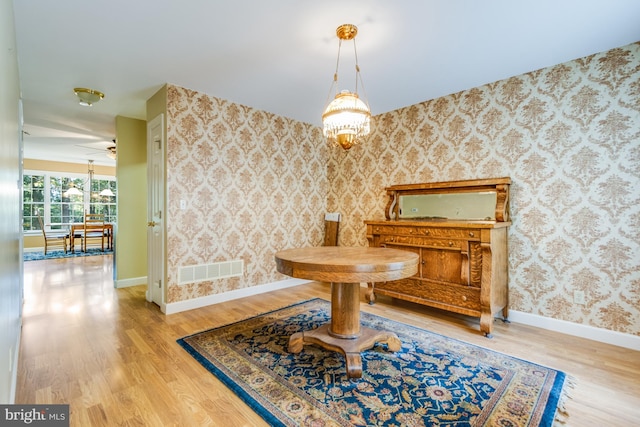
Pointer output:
x,y
350,348
346,268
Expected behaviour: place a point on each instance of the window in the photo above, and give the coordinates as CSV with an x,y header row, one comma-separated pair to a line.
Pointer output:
x,y
33,196
47,194
64,208
103,204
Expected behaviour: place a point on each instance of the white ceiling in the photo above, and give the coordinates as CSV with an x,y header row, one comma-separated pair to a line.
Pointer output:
x,y
280,55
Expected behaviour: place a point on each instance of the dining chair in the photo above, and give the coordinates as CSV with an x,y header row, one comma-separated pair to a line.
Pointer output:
x,y
72,239
331,226
93,231
51,239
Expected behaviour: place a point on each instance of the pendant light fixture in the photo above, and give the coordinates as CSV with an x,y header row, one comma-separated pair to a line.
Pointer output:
x,y
346,119
88,97
75,191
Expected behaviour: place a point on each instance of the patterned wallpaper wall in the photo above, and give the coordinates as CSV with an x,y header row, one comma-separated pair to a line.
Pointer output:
x,y
253,183
569,137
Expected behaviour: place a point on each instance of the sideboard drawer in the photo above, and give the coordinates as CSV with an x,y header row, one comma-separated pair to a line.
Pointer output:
x,y
441,295
425,242
435,232
449,233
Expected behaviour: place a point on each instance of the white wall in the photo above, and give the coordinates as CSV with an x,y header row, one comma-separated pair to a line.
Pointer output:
x,y
10,227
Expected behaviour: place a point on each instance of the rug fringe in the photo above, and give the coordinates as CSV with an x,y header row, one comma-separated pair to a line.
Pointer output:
x,y
562,416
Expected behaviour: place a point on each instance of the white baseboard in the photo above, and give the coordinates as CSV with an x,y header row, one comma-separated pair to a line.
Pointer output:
x,y
583,331
177,307
135,281
14,365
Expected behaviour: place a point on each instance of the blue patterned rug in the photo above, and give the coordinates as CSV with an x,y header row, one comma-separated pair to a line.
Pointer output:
x,y
432,380
39,255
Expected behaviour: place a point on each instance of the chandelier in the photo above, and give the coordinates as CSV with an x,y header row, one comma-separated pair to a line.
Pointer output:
x,y
74,191
346,119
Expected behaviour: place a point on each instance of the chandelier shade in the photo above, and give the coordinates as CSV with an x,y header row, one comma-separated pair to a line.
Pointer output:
x,y
346,119
72,191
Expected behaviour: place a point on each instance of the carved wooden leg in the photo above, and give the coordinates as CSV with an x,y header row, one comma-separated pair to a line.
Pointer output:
x,y
370,295
296,342
505,314
354,365
393,342
486,323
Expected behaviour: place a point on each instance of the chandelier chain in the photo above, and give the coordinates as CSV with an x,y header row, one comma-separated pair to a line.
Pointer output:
x,y
355,54
333,89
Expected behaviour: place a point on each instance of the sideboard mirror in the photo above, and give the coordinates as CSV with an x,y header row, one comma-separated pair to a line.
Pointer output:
x,y
470,200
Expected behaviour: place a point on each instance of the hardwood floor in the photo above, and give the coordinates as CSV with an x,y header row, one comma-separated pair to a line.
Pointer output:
x,y
113,356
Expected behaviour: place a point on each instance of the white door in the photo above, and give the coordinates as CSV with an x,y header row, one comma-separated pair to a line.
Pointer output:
x,y
155,211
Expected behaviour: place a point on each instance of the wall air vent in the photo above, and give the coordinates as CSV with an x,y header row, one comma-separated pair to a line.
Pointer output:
x,y
204,272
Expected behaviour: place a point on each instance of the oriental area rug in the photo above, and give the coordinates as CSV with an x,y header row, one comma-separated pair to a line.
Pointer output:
x,y
431,381
39,255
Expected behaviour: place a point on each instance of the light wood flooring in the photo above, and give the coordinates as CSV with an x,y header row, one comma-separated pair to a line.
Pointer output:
x,y
113,356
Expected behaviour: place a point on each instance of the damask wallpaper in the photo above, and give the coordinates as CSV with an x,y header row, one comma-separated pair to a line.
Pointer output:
x,y
253,183
568,136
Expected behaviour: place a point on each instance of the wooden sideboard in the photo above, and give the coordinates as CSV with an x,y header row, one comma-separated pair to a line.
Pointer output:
x,y
463,256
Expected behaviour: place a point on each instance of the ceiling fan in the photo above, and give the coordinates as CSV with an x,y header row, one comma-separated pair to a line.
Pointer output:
x,y
111,150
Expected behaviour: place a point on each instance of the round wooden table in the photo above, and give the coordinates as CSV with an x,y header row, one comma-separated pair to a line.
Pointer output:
x,y
345,268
